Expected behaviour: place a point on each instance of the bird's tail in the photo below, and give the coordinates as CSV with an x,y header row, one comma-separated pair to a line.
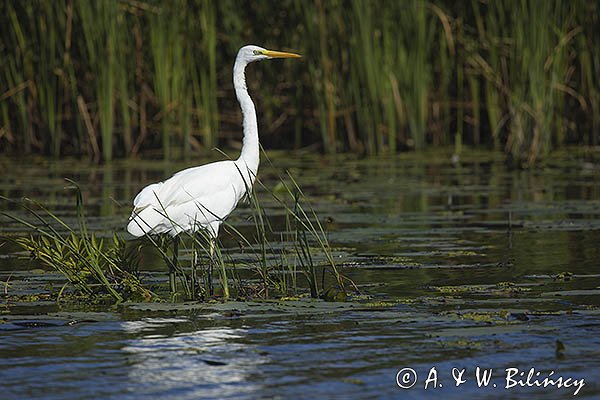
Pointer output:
x,y
144,221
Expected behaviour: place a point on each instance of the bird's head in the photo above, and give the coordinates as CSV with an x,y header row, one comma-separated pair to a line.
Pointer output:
x,y
253,53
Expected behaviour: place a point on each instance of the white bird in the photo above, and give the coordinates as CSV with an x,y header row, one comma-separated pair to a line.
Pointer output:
x,y
200,198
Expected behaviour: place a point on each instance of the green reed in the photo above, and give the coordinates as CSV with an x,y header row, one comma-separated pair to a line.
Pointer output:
x,y
203,62
33,74
167,48
109,79
101,37
16,75
303,238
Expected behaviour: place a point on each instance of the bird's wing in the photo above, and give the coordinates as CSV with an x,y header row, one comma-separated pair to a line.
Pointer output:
x,y
147,196
190,184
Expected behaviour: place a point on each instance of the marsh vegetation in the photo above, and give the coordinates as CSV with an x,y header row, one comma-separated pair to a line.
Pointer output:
x,y
114,79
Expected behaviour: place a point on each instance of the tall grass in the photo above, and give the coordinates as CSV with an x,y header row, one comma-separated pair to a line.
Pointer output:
x,y
111,79
169,71
204,71
306,237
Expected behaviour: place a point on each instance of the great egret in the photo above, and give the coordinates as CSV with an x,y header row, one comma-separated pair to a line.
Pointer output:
x,y
200,198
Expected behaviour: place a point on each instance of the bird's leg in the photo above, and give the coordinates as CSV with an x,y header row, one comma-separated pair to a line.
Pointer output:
x,y
211,250
194,264
173,266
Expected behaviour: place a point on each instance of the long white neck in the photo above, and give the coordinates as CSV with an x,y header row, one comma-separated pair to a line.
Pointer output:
x,y
250,147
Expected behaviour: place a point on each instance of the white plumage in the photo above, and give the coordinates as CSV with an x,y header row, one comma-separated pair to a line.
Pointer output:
x,y
199,197
202,197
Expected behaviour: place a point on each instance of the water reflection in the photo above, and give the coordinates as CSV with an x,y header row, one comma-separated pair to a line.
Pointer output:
x,y
212,362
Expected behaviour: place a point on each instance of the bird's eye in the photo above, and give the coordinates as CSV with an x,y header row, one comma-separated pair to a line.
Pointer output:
x,y
256,52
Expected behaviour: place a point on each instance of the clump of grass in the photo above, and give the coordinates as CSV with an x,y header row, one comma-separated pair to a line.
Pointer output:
x,y
308,234
303,237
95,267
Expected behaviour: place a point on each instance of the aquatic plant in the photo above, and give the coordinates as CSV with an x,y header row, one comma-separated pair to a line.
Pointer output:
x,y
95,267
304,233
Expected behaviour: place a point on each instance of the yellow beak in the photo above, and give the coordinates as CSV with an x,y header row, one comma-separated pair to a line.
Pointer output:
x,y
280,54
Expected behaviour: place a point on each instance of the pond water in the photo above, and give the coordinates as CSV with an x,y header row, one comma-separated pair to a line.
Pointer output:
x,y
463,264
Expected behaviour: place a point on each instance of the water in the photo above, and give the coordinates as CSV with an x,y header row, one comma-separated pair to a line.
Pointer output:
x,y
461,265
